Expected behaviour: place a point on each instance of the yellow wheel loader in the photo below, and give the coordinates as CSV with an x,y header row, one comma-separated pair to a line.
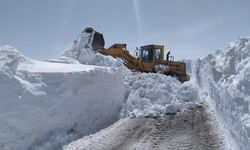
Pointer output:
x,y
149,58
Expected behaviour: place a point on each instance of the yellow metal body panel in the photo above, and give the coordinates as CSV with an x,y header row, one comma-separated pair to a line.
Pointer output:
x,y
173,68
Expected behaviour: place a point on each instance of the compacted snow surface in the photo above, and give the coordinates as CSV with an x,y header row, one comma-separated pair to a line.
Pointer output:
x,y
188,130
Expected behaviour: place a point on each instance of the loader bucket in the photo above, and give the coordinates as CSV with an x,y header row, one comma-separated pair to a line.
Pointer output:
x,y
97,41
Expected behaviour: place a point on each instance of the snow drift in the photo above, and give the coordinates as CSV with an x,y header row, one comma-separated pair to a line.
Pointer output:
x,y
44,105
225,80
153,94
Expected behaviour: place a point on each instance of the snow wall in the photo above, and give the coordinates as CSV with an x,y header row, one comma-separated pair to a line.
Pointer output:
x,y
47,110
224,78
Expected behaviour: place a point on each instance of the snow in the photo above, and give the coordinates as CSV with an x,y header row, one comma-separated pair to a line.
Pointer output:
x,y
154,94
63,59
149,94
52,67
47,104
191,129
81,51
114,136
44,105
224,79
10,58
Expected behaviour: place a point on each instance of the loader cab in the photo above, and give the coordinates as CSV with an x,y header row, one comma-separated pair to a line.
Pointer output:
x,y
152,53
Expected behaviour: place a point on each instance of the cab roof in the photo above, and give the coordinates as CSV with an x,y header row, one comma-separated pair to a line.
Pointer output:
x,y
152,46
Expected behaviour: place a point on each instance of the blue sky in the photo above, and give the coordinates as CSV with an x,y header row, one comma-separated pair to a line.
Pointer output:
x,y
189,28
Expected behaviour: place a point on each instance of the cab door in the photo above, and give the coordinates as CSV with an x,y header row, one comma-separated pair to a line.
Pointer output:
x,y
157,56
147,57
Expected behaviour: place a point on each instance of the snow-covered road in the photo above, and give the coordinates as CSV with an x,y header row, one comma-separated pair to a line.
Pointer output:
x,y
192,129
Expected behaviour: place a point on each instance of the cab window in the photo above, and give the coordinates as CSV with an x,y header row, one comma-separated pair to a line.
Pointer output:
x,y
158,54
146,55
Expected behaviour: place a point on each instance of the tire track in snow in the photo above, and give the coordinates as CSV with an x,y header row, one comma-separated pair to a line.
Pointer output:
x,y
189,130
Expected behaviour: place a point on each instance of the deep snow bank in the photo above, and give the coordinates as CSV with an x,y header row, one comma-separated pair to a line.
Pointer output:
x,y
45,105
225,80
153,94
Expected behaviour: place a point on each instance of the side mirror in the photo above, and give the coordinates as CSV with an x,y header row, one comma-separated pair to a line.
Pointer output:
x,y
167,56
136,53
